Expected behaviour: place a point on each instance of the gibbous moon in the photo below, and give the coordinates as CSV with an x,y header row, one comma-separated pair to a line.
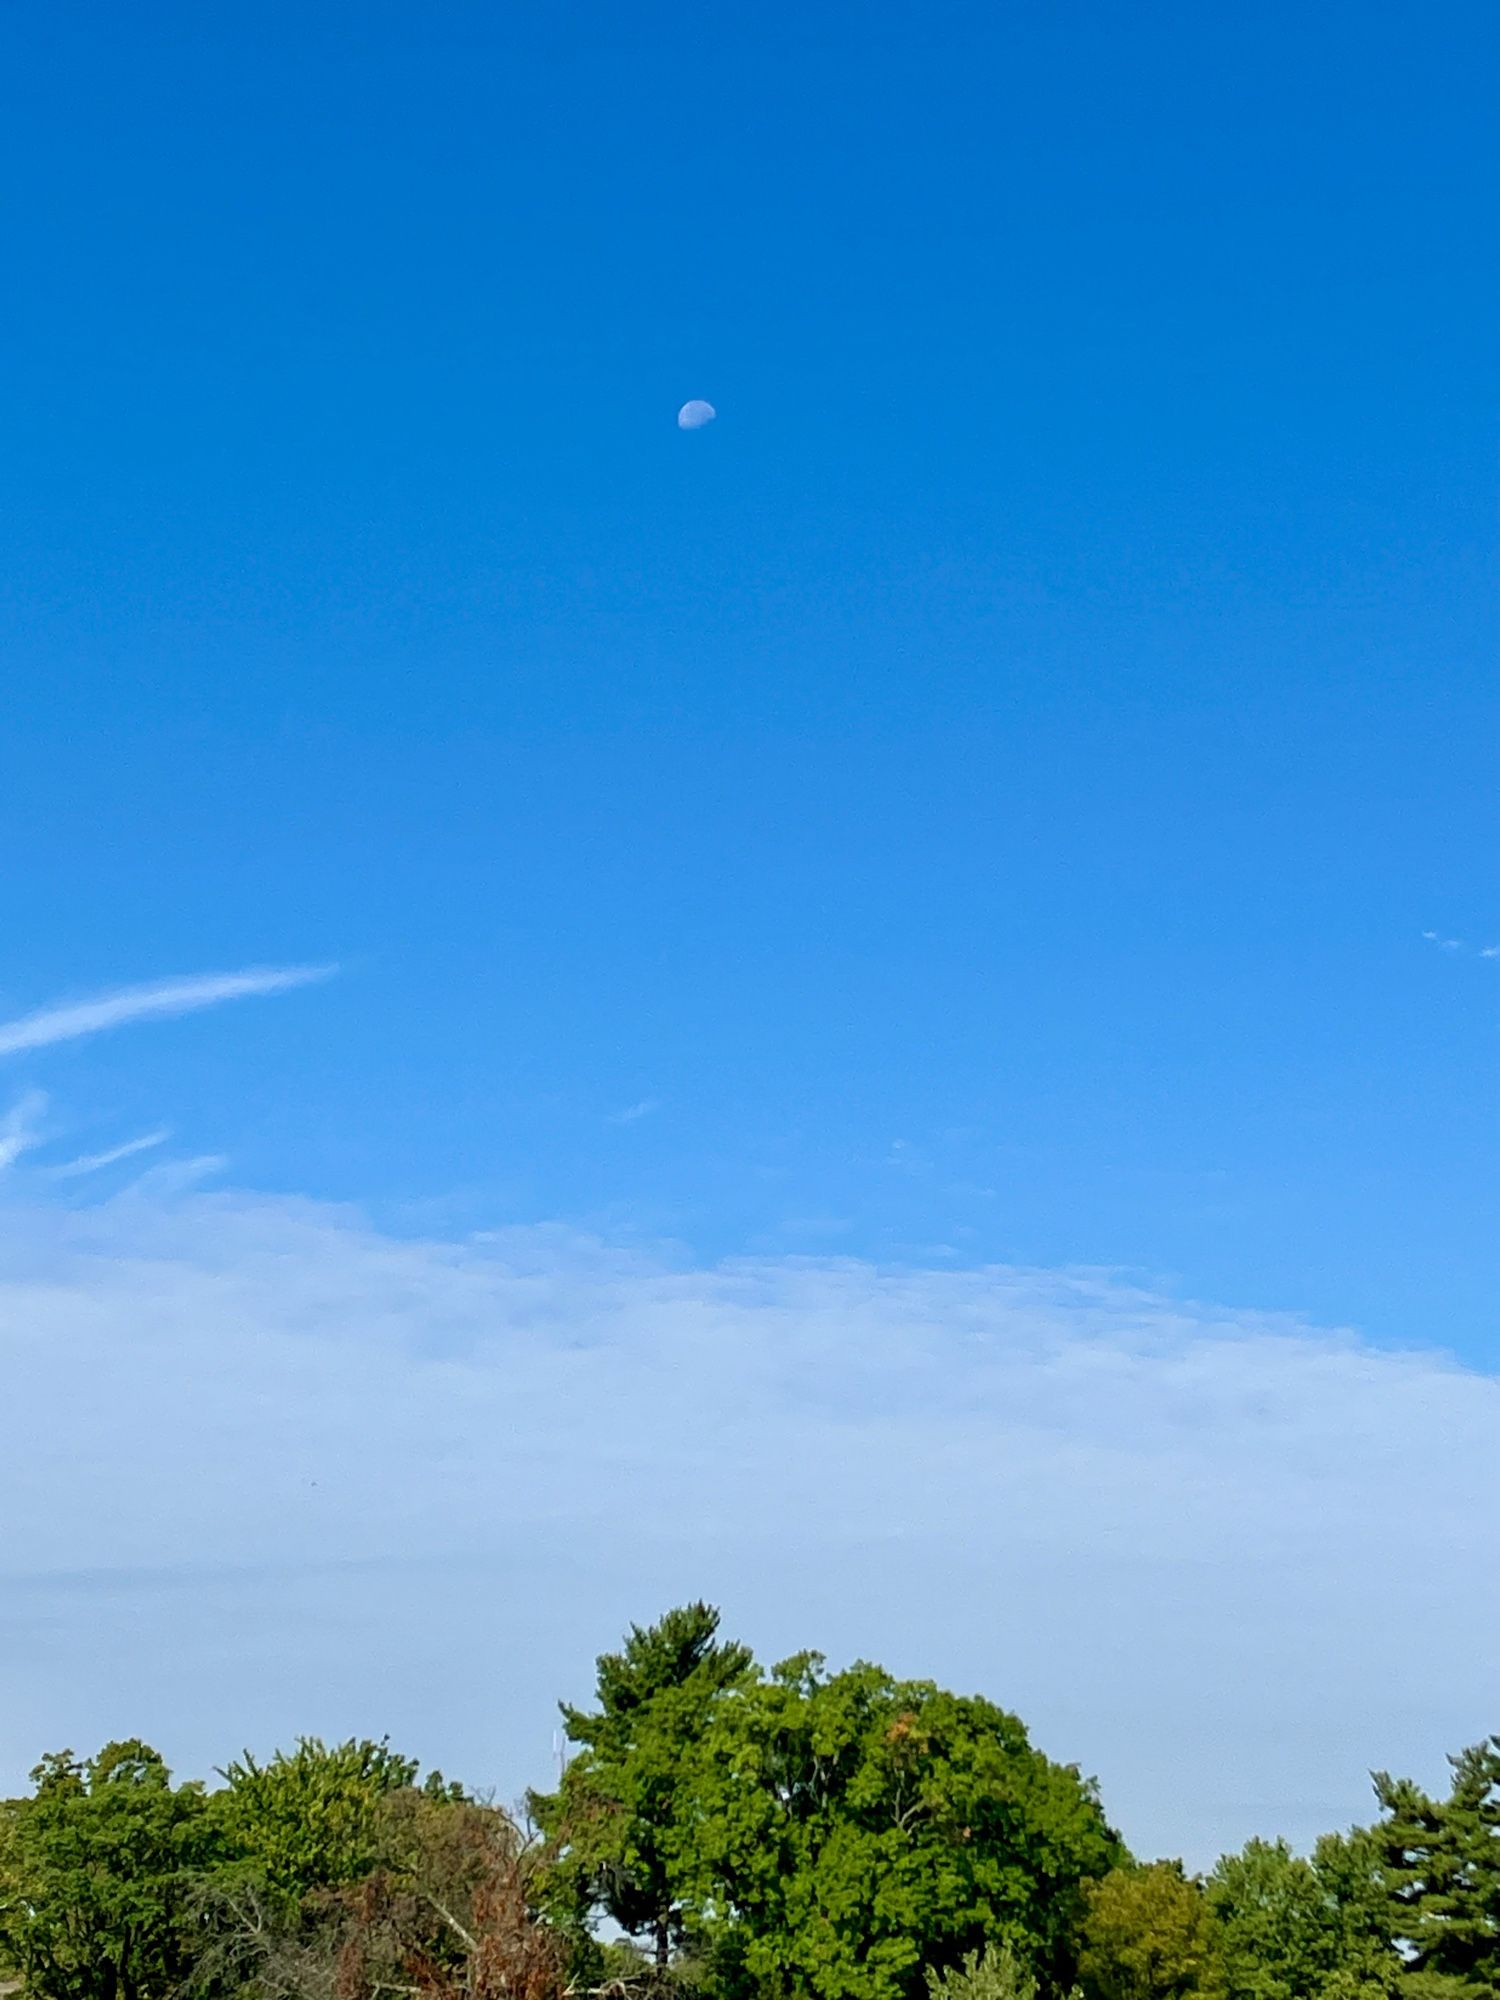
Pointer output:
x,y
694,415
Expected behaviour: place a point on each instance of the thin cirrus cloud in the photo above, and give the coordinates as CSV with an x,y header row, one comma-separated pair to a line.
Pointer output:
x,y
92,1163
67,1021
18,1127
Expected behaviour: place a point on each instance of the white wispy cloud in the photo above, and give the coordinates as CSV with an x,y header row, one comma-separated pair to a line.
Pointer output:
x,y
1458,945
90,1163
65,1021
18,1131
302,1453
633,1112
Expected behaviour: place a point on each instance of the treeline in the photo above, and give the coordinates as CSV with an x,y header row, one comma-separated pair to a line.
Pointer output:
x,y
722,1832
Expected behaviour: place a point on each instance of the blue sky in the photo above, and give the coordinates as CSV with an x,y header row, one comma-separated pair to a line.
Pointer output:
x,y
975,806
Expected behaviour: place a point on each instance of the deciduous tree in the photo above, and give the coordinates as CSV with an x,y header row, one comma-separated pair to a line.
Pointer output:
x,y
996,1973
841,1834
96,1867
309,1819
1149,1934
1304,1927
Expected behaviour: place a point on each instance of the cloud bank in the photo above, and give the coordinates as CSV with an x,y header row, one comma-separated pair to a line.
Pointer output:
x,y
67,1021
273,1468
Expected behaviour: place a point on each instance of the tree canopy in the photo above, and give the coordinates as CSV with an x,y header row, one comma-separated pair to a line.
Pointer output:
x,y
1150,1934
782,1834
841,1833
96,1868
1297,1927
309,1819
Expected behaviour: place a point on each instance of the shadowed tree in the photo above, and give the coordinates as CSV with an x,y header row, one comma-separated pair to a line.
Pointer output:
x,y
443,1912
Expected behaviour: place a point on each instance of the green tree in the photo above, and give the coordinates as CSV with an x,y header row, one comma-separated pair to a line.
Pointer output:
x,y
96,1867
837,1835
1441,1866
1367,1964
1273,1922
444,1913
309,1820
1149,1934
996,1973
609,1827
1295,1927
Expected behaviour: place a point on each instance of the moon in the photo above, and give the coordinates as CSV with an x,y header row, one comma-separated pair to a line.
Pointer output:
x,y
694,415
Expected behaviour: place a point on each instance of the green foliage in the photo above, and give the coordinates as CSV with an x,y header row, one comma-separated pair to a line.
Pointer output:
x,y
996,1973
611,1824
1273,1922
1440,1861
1304,1929
806,1835
1150,1934
95,1871
310,1820
839,1834
1367,1964
792,1835
443,1915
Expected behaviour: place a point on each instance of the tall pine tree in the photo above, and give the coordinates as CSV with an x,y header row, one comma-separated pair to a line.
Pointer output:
x,y
608,1826
1441,1865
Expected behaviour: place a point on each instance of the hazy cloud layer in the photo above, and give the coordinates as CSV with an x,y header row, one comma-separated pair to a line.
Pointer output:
x,y
271,1468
